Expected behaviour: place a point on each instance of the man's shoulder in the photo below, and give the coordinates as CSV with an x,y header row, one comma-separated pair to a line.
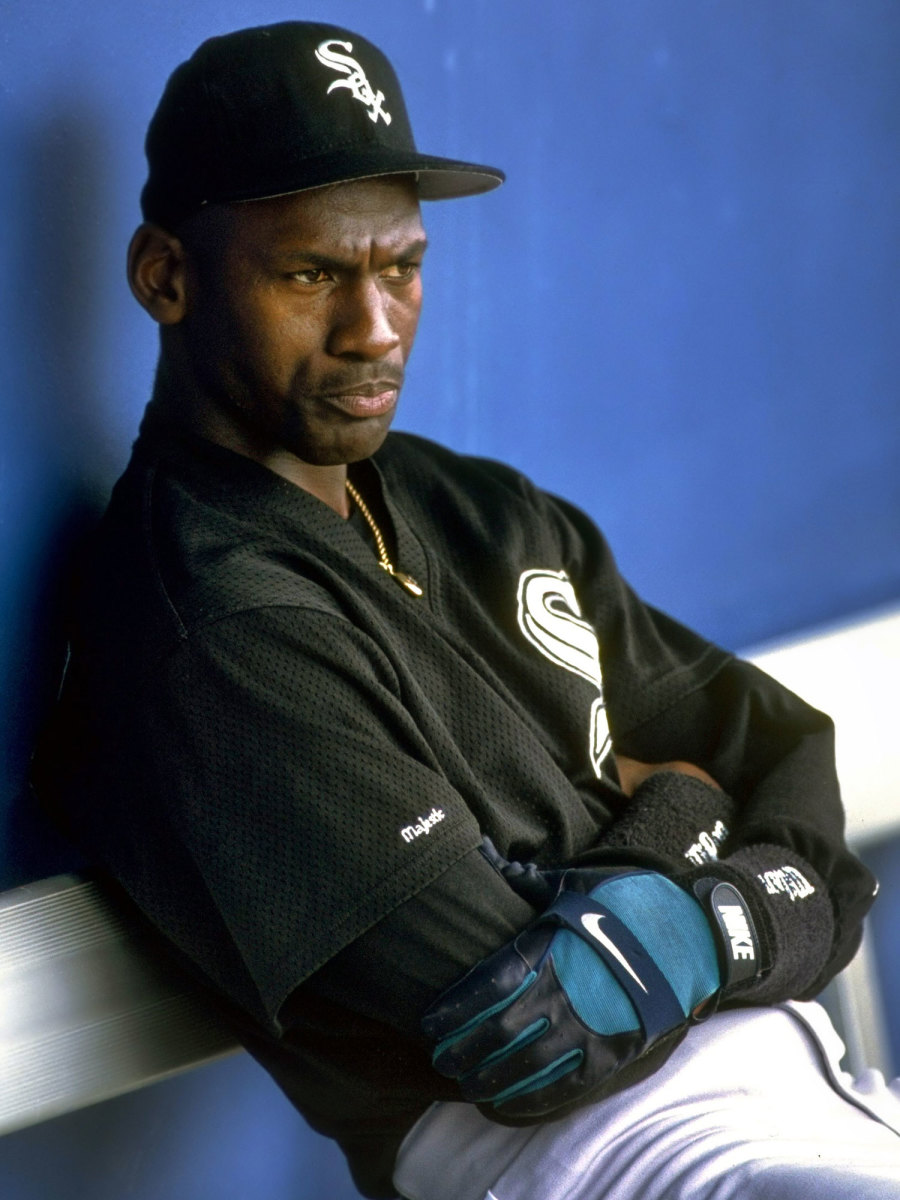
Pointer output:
x,y
190,538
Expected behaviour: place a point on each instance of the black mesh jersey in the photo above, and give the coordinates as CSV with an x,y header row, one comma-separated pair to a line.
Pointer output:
x,y
289,761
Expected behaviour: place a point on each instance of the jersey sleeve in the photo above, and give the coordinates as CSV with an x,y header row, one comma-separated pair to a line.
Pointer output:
x,y
269,800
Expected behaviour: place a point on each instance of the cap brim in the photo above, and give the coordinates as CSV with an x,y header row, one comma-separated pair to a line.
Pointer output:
x,y
438,178
445,179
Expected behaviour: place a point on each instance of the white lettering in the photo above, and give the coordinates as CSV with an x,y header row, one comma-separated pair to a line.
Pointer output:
x,y
601,740
787,881
738,930
550,617
409,833
357,82
706,847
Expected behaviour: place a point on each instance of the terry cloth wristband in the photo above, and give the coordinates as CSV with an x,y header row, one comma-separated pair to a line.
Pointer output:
x,y
688,822
791,913
674,815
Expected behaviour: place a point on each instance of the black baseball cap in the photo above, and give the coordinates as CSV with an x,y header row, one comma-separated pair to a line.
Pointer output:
x,y
282,108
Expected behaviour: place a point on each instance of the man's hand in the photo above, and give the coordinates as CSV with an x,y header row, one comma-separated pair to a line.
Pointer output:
x,y
632,772
619,961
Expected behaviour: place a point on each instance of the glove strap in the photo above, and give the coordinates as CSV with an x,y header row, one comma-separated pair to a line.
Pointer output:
x,y
738,942
656,1004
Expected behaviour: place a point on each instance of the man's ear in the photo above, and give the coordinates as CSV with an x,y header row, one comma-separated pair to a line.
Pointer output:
x,y
157,266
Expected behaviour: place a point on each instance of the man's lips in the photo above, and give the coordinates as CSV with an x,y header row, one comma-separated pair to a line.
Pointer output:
x,y
365,400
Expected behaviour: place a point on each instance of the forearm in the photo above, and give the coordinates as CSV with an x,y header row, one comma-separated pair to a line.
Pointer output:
x,y
691,831
774,757
395,970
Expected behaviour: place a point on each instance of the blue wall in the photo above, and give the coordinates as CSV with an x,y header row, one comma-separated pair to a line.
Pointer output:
x,y
681,312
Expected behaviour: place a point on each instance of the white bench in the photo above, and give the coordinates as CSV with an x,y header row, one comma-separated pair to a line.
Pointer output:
x,y
88,1008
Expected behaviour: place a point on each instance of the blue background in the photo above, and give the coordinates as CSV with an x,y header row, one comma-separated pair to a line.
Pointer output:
x,y
680,312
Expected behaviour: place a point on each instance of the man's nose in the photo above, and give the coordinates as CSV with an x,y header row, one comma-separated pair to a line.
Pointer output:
x,y
362,325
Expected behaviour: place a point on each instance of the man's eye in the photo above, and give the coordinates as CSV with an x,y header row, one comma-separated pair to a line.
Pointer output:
x,y
311,275
403,270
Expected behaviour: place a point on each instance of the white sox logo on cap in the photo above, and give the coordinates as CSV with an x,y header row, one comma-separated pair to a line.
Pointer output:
x,y
356,79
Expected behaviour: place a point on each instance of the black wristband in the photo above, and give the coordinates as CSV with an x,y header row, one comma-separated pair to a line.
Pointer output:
x,y
792,915
675,815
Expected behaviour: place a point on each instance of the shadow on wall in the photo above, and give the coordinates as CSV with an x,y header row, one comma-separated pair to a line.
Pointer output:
x,y
55,479
225,1130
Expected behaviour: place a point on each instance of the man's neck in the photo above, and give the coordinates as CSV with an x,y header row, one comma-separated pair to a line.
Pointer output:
x,y
326,483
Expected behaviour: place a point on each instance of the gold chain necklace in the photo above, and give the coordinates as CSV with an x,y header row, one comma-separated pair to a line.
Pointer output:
x,y
384,562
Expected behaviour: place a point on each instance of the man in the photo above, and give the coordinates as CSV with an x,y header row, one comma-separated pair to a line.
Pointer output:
x,y
471,842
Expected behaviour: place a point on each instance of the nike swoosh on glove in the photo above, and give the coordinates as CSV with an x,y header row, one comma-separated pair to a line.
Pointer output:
x,y
619,961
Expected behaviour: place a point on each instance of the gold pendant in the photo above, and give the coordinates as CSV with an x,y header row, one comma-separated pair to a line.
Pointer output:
x,y
408,582
403,579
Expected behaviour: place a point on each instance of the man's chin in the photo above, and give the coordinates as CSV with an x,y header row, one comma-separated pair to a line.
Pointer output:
x,y
351,445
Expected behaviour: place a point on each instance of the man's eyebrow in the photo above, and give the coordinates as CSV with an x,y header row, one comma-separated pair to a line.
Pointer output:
x,y
314,258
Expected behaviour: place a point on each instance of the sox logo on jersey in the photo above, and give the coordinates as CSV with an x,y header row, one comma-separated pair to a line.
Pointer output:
x,y
550,617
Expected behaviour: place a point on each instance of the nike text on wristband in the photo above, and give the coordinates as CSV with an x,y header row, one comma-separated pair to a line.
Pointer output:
x,y
738,941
